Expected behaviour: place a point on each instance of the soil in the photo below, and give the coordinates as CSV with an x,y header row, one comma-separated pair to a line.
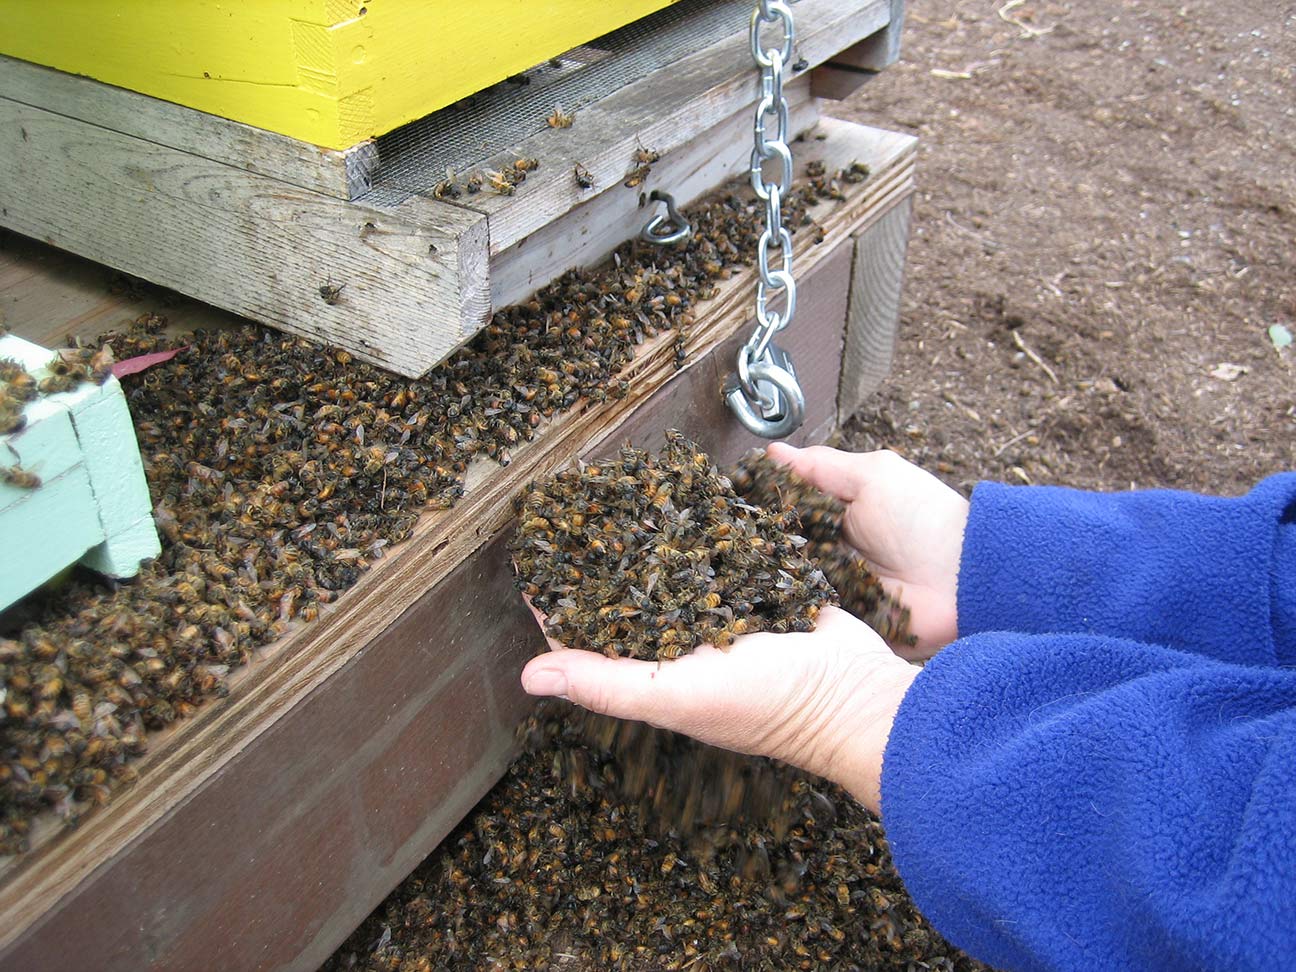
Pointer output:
x,y
1104,223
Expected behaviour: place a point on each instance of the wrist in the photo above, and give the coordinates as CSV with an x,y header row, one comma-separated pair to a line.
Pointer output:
x,y
855,760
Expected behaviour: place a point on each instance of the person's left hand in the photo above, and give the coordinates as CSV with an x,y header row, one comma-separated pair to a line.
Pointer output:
x,y
823,701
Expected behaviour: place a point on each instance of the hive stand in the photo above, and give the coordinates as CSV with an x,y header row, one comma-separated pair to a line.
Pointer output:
x,y
264,829
349,246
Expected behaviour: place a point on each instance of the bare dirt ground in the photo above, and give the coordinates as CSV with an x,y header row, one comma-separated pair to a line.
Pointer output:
x,y
1103,236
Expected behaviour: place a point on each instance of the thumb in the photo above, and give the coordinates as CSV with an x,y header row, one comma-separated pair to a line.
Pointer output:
x,y
837,473
622,687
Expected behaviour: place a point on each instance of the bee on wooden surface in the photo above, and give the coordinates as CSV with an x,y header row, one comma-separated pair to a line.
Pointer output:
x,y
331,293
856,172
446,189
559,118
582,176
500,182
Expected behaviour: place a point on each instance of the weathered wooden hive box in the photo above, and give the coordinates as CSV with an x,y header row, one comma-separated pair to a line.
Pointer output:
x,y
262,830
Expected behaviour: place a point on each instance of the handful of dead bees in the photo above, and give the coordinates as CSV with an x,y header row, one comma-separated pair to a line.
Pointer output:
x,y
650,556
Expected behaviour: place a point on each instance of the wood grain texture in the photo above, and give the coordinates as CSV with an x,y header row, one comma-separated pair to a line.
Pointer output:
x,y
846,71
414,277
48,295
588,233
289,160
256,795
874,317
661,112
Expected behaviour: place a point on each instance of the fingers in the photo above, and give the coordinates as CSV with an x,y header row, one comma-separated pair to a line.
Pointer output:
x,y
840,474
620,687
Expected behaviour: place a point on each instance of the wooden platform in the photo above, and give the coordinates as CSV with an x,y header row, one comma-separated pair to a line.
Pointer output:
x,y
264,829
336,245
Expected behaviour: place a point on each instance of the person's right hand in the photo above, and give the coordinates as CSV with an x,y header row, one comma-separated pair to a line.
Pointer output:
x,y
904,521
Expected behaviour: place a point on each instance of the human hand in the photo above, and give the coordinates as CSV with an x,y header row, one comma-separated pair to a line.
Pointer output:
x,y
823,701
904,521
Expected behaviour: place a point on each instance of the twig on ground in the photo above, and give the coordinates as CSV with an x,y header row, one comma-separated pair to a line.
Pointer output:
x,y
1027,30
1026,350
949,218
1011,442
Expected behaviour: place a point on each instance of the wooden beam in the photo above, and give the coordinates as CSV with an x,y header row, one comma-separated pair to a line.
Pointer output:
x,y
263,829
874,316
663,111
344,174
585,235
845,72
414,278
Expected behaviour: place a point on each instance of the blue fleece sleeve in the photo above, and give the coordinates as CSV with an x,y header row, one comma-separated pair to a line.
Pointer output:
x,y
1204,574
1079,802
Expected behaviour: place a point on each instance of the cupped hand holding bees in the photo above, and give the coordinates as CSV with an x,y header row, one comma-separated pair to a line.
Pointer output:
x,y
822,700
904,521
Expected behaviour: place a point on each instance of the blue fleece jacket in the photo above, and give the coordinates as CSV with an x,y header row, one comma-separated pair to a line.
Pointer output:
x,y
1100,773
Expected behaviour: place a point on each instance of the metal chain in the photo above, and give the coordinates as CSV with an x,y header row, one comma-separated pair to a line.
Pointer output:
x,y
765,395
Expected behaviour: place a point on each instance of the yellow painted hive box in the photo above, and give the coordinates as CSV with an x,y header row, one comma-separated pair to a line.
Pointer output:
x,y
329,72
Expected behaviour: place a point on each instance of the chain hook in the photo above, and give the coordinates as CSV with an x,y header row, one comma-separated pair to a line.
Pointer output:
x,y
765,394
778,407
671,228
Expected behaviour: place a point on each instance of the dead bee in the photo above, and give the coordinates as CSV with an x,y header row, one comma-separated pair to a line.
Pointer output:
x,y
582,176
526,165
645,156
101,363
56,384
446,189
856,172
643,163
474,184
331,294
500,183
559,118
19,477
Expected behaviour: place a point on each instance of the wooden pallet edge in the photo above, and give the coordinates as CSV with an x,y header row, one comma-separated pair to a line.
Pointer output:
x,y
661,111
342,174
249,243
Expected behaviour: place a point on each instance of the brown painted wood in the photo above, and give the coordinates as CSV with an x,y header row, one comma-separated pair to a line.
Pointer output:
x,y
294,842
263,830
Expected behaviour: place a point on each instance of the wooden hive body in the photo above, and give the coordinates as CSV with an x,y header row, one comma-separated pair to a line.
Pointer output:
x,y
339,245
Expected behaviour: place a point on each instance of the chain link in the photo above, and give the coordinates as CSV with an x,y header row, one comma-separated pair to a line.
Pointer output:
x,y
766,396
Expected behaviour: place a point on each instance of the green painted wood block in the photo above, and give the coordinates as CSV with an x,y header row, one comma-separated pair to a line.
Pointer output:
x,y
92,503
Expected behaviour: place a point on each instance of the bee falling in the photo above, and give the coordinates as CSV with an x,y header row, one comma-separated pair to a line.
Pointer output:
x,y
589,855
650,556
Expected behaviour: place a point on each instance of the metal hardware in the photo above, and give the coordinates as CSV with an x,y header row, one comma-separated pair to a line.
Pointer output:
x,y
671,228
766,397
765,394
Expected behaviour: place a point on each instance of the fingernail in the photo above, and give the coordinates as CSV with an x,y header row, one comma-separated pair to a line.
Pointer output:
x,y
546,681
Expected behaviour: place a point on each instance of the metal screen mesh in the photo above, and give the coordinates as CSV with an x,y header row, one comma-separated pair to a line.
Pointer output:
x,y
417,156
